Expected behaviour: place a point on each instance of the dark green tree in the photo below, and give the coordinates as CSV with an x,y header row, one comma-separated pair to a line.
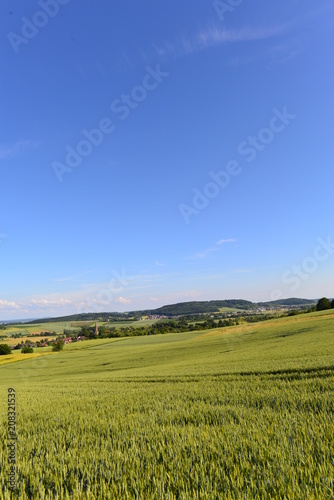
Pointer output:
x,y
5,349
323,304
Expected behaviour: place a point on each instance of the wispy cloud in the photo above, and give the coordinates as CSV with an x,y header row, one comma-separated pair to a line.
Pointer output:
x,y
12,150
48,302
208,251
65,279
216,35
283,52
222,242
204,277
61,280
242,271
159,264
276,53
154,299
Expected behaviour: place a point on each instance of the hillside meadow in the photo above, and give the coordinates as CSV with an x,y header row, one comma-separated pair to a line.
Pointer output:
x,y
239,412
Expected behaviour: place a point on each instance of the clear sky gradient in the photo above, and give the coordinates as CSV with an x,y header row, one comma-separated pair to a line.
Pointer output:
x,y
154,152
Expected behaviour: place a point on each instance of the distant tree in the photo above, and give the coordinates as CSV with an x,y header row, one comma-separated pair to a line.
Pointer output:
x,y
293,312
323,304
311,309
332,304
27,350
91,334
5,349
103,333
58,345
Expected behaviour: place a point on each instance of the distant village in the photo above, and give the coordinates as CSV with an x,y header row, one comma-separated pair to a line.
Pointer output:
x,y
47,342
162,324
50,342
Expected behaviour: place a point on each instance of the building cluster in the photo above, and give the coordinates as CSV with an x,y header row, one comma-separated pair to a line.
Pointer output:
x,y
46,343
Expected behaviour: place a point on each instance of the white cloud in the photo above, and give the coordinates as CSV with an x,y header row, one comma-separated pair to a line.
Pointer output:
x,y
123,300
33,305
8,304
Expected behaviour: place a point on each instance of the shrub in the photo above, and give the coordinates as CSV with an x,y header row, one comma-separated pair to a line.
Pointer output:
x,y
27,350
58,345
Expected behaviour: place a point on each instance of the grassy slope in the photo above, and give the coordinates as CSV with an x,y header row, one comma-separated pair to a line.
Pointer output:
x,y
239,412
303,341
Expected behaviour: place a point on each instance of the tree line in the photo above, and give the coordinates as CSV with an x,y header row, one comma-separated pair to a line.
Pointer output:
x,y
161,327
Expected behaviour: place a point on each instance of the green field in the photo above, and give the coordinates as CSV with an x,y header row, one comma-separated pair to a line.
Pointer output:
x,y
240,412
58,327
25,328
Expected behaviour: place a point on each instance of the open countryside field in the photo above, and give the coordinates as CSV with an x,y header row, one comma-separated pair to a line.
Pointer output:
x,y
239,412
36,338
229,310
18,356
25,328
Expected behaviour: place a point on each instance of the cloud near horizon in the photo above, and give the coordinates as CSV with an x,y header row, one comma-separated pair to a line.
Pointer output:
x,y
94,297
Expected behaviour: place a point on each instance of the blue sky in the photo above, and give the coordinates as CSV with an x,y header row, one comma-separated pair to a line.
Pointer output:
x,y
158,152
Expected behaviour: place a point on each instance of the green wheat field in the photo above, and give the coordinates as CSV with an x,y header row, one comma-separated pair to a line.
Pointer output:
x,y
234,413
